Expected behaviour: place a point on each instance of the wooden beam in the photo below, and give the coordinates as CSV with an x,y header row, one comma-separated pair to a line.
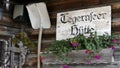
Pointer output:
x,y
9,22
45,43
116,32
116,24
108,1
68,5
116,5
5,37
51,30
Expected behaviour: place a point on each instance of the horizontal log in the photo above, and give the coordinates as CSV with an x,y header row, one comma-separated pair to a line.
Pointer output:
x,y
9,22
116,24
116,15
47,41
116,29
51,30
5,37
116,5
6,22
115,32
44,37
48,36
59,2
44,44
109,1
68,5
8,31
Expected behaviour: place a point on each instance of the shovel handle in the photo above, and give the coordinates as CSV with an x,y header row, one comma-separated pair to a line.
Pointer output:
x,y
39,47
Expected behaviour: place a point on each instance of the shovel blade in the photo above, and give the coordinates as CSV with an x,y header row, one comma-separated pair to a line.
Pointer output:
x,y
38,15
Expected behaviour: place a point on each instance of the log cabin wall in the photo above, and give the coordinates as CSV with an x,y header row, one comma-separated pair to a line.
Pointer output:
x,y
56,6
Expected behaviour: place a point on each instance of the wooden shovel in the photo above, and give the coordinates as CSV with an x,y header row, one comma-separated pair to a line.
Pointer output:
x,y
39,18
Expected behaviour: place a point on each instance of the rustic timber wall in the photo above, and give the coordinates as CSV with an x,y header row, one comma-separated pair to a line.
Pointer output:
x,y
56,6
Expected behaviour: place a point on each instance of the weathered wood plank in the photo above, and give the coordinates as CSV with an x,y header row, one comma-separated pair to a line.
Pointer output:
x,y
116,24
60,6
116,5
115,32
82,66
51,30
44,37
108,1
9,22
69,4
5,37
44,43
115,8
44,46
116,15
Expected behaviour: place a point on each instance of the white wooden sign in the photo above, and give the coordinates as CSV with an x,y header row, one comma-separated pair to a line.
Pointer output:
x,y
72,23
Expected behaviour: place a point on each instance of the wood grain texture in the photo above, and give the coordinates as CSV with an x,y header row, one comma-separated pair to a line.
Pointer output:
x,y
9,22
56,6
67,5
